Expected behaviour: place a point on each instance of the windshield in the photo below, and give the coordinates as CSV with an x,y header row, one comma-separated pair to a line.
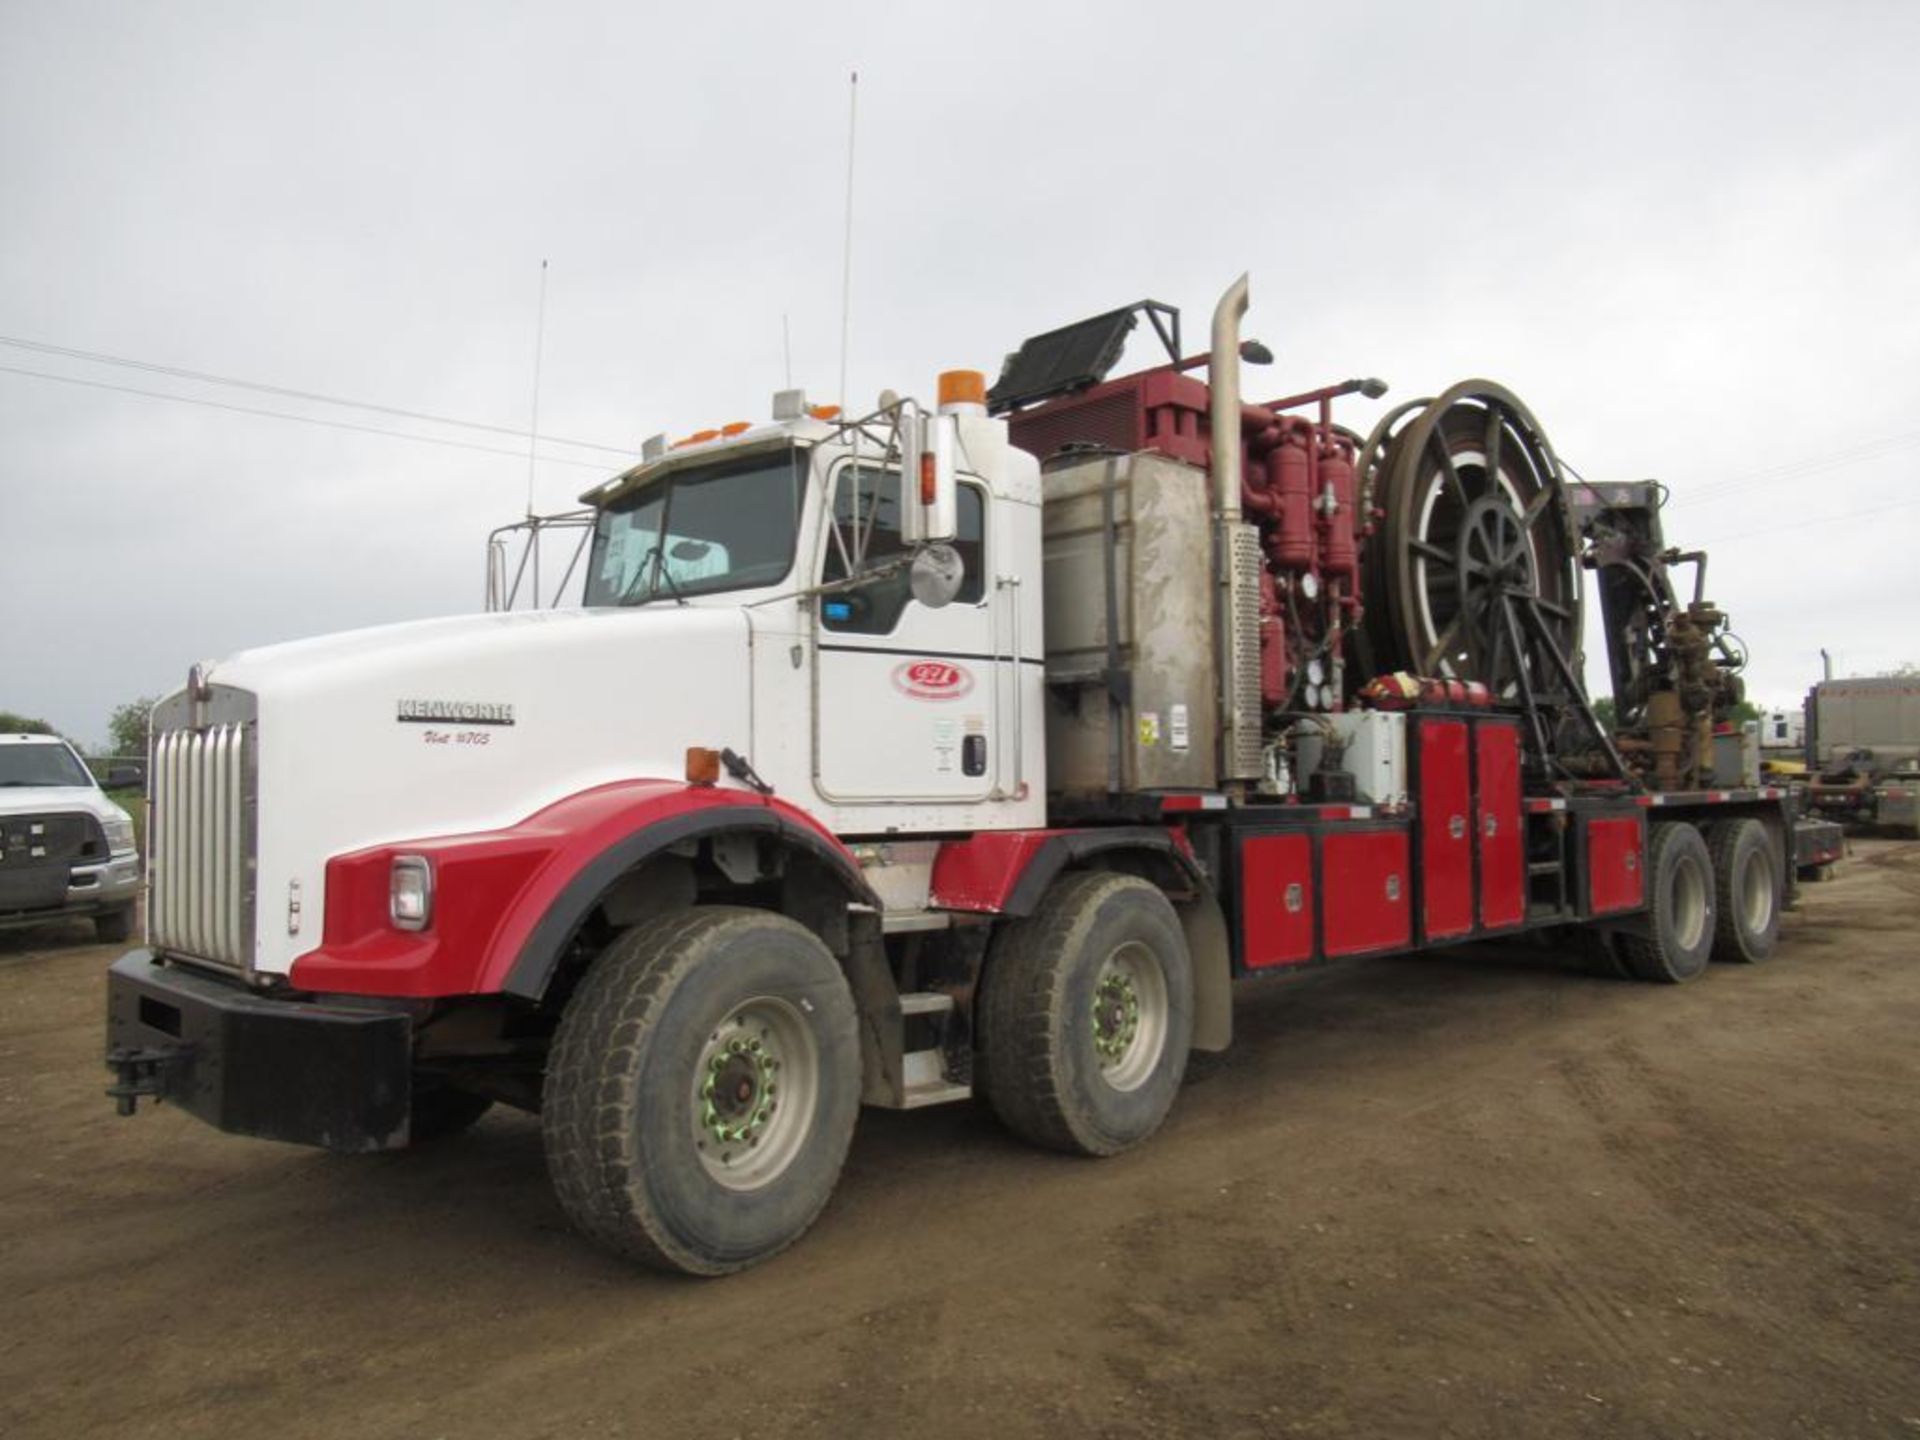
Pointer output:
x,y
41,765
730,525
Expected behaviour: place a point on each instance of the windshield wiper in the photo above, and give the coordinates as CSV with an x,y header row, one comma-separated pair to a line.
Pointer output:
x,y
658,559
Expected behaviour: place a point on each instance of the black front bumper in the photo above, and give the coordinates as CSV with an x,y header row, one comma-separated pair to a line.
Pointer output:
x,y
250,1064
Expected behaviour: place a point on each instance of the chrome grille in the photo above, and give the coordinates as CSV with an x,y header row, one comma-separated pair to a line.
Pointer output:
x,y
200,835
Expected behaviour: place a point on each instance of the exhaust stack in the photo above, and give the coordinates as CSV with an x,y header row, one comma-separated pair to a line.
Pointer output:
x,y
1236,549
1223,378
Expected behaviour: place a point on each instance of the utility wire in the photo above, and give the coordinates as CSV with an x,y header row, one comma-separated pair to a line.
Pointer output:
x,y
298,419
1720,540
96,357
1791,470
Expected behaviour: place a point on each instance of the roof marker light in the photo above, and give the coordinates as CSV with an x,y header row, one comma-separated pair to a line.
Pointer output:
x,y
963,388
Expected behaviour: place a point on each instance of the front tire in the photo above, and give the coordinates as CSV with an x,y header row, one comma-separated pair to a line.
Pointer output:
x,y
113,926
1086,1016
1746,891
1680,908
702,1090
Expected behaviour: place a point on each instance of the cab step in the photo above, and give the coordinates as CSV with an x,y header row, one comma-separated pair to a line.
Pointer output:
x,y
926,1082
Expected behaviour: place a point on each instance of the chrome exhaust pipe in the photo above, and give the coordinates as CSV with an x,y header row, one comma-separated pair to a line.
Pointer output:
x,y
1223,378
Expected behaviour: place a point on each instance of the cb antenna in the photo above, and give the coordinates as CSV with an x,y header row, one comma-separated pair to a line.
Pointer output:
x,y
539,344
846,247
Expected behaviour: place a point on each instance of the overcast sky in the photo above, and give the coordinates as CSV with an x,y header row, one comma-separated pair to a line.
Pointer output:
x,y
1687,235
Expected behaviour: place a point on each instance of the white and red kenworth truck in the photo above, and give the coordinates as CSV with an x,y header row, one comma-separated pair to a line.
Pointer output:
x,y
967,749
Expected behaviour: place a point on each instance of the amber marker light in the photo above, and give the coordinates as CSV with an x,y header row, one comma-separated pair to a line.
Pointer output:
x,y
963,387
928,489
703,765
738,427
824,412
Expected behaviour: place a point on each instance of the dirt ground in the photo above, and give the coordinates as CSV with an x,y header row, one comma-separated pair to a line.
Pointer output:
x,y
1460,1196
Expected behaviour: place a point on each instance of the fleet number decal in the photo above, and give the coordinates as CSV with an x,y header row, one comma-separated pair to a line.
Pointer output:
x,y
932,679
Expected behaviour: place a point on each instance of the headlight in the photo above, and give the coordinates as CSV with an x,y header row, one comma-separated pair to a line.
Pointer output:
x,y
410,892
119,828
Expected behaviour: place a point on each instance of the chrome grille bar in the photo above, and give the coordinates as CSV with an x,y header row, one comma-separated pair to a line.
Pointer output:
x,y
199,900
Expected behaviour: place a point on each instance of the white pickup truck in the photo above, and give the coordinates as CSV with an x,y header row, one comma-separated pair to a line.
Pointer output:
x,y
65,848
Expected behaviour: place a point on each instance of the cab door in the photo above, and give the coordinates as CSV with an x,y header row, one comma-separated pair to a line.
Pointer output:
x,y
908,699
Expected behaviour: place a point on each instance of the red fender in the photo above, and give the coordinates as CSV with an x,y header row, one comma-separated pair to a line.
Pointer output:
x,y
507,902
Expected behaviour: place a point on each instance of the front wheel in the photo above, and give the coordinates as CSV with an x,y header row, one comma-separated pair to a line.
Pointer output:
x,y
702,1090
1086,1016
110,927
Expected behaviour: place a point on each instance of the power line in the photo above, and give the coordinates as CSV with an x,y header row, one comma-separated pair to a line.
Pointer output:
x,y
298,419
175,371
1720,540
1794,469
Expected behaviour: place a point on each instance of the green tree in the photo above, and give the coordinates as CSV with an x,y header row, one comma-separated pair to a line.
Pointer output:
x,y
1604,712
12,724
127,730
1746,710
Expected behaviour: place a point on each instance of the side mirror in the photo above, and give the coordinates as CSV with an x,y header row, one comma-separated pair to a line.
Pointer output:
x,y
930,510
937,574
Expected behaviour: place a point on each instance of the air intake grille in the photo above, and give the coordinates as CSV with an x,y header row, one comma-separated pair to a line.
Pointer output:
x,y
201,838
1242,653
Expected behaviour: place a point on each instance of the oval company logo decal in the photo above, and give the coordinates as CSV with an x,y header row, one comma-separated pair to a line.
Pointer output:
x,y
932,680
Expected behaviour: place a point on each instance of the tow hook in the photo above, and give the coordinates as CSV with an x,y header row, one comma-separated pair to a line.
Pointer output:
x,y
142,1071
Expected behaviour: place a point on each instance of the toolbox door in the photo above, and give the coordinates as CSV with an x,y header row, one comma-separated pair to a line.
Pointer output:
x,y
1497,825
1445,788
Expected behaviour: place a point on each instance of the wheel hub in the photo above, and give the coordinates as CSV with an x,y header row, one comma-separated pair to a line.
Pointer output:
x,y
754,1090
1116,1016
737,1096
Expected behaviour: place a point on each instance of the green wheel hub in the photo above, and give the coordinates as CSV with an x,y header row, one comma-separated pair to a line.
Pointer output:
x,y
1130,1016
1116,1016
755,1088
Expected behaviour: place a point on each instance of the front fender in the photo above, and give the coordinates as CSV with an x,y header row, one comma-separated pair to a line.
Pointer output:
x,y
507,902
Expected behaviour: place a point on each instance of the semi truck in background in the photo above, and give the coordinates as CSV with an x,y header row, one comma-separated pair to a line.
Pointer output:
x,y
1863,750
971,748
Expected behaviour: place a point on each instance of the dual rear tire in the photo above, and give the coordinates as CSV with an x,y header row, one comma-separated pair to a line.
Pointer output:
x,y
1711,896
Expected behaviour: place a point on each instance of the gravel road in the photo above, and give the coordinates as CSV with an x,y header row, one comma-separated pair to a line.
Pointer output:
x,y
1464,1195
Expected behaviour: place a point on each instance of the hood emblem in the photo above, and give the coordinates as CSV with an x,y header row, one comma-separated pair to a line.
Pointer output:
x,y
455,712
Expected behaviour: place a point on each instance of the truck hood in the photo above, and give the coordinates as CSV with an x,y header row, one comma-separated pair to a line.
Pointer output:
x,y
42,799
469,724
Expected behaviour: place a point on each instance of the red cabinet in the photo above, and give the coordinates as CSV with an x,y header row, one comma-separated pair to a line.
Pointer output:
x,y
1276,899
1616,864
1497,825
1366,888
1446,844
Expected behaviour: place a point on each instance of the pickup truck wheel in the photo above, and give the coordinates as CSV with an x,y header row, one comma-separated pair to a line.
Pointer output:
x,y
702,1089
1086,1015
440,1111
1746,891
113,926
1680,908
